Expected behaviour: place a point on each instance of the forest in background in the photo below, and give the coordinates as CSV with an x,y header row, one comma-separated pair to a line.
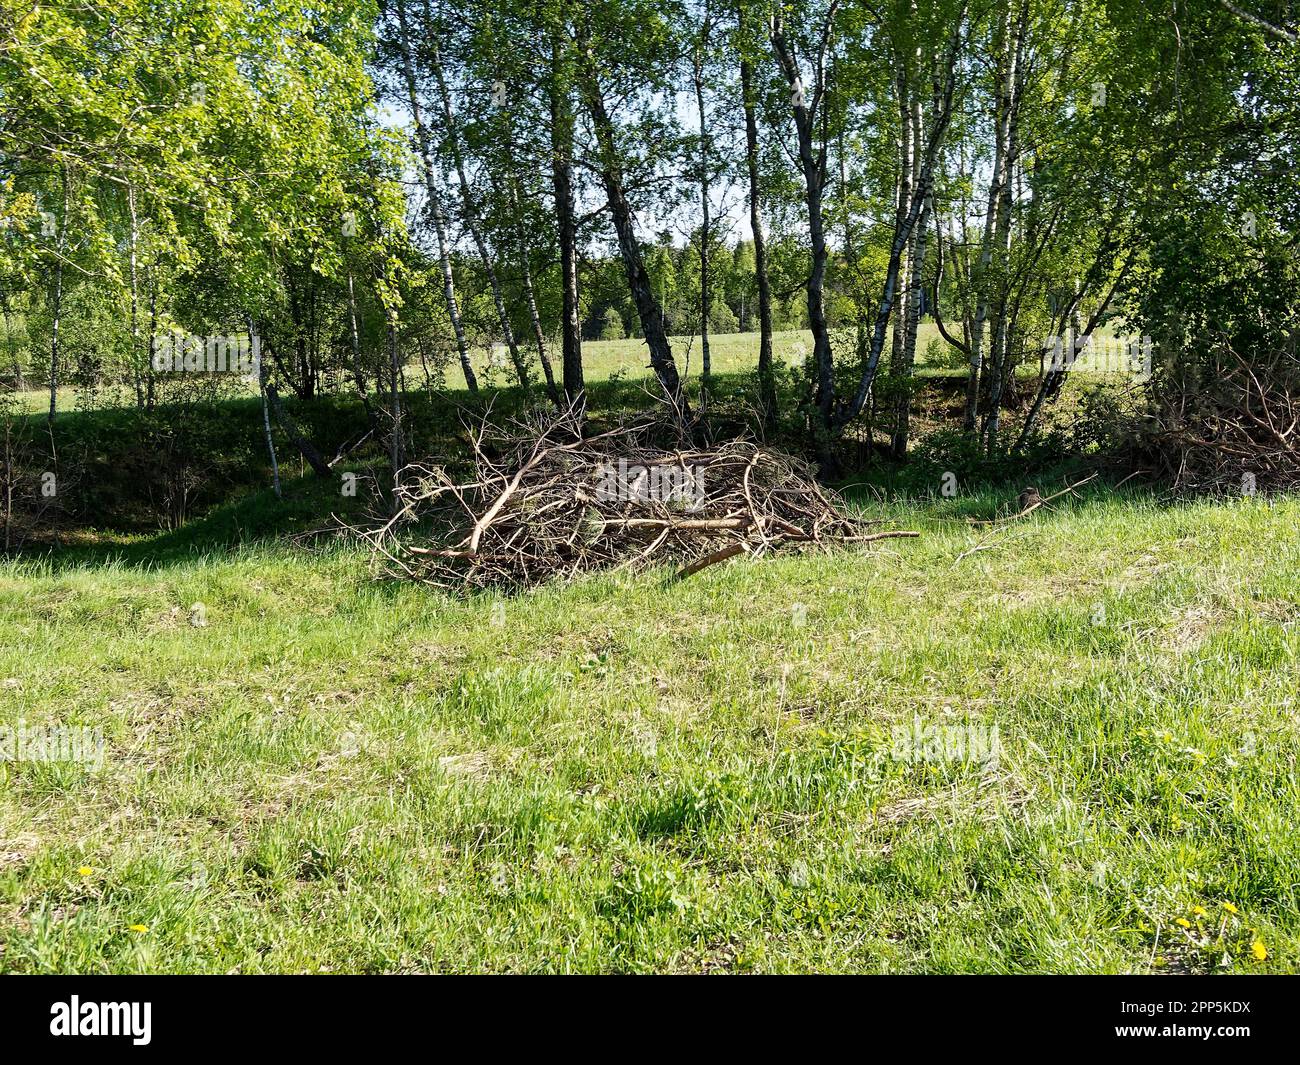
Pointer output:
x,y
607,487
380,193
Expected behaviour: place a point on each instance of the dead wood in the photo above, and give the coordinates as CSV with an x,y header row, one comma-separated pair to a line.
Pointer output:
x,y
545,501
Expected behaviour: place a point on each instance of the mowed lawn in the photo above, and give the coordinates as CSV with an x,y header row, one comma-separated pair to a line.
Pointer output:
x,y
337,774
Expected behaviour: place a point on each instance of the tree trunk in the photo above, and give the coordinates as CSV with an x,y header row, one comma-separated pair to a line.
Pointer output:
x,y
910,326
300,380
136,377
305,447
530,297
354,337
1005,50
813,168
903,203
697,70
266,414
566,226
56,309
472,223
766,377
434,201
150,373
1000,340
921,193
648,308
397,445
910,321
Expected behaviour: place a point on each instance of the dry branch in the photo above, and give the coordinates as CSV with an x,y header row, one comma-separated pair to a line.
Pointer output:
x,y
1235,433
547,502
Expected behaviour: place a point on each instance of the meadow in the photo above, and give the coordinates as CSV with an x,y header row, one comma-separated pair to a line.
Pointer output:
x,y
767,768
627,361
1052,730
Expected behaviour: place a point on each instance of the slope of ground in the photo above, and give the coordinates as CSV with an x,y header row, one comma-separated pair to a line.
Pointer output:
x,y
776,766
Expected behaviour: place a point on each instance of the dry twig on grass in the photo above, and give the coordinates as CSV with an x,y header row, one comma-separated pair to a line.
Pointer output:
x,y
1037,502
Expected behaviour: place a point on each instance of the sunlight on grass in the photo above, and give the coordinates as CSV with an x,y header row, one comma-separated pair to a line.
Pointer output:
x,y
335,774
612,360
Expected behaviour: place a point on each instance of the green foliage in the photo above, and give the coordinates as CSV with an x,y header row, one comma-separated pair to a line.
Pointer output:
x,y
612,329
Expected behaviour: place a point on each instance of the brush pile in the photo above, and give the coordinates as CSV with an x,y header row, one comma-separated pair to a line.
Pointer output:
x,y
549,503
1238,433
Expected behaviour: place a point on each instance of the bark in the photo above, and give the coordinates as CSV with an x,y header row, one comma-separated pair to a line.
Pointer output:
x,y
999,351
910,326
648,309
530,297
697,71
449,288
434,200
916,289
136,377
354,337
937,286
472,222
149,380
305,447
1051,382
397,445
57,301
812,165
562,182
266,416
766,377
1005,49
1273,28
922,190
903,201
300,380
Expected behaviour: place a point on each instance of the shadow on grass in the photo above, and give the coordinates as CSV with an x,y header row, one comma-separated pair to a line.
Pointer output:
x,y
116,451
256,517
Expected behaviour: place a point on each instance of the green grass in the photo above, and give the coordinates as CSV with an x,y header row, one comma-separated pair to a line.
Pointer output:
x,y
338,774
735,353
615,360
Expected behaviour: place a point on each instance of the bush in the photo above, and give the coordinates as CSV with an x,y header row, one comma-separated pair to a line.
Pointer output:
x,y
940,355
612,326
722,319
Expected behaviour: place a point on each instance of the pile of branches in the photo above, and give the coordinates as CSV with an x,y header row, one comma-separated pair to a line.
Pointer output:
x,y
1239,431
548,502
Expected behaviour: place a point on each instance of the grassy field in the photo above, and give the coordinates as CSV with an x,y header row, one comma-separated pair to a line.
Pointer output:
x,y
309,771
738,353
606,360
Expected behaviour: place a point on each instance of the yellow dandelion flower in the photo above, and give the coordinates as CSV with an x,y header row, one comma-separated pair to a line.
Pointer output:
x,y
1183,922
1199,911
1230,907
137,928
1258,951
85,870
